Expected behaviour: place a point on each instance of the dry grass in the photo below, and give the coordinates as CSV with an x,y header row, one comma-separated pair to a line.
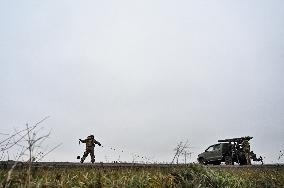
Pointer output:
x,y
186,176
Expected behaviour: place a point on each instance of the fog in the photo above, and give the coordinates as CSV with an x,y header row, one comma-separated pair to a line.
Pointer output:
x,y
143,75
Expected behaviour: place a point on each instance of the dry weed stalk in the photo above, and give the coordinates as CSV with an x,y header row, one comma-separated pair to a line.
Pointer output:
x,y
29,141
181,148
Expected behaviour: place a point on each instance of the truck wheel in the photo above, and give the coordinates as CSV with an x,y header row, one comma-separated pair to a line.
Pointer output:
x,y
202,161
243,161
228,160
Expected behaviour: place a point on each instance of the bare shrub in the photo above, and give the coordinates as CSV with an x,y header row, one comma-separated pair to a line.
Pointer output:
x,y
28,144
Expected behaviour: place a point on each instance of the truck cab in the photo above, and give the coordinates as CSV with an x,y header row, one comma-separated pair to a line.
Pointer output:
x,y
215,154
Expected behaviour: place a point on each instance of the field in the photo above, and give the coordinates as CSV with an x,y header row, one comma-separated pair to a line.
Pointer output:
x,y
139,175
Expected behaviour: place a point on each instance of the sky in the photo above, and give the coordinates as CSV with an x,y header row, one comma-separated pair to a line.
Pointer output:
x,y
144,75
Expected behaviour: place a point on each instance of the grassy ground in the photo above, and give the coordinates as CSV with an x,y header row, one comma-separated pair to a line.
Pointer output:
x,y
192,175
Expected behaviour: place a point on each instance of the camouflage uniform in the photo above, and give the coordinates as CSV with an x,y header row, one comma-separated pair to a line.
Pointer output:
x,y
90,144
246,149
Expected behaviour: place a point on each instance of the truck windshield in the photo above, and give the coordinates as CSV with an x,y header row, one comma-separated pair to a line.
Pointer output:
x,y
216,147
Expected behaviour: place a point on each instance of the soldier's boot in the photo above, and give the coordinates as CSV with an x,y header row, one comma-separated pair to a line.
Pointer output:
x,y
92,157
84,156
82,159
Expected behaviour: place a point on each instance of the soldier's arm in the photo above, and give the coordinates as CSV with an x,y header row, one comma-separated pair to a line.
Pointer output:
x,y
97,142
83,141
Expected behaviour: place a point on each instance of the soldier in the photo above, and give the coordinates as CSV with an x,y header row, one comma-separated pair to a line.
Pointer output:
x,y
90,144
246,149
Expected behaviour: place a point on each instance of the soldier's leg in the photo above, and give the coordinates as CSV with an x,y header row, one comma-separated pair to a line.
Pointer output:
x,y
84,156
92,156
248,158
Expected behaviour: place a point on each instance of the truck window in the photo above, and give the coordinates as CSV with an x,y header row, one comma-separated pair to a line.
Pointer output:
x,y
217,147
210,148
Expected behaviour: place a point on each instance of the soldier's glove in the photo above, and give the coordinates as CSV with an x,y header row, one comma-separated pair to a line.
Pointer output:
x,y
99,144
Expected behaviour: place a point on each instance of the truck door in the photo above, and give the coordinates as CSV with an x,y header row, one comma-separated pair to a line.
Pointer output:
x,y
216,153
209,153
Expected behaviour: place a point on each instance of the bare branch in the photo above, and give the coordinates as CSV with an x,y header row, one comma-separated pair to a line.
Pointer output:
x,y
50,151
17,133
180,149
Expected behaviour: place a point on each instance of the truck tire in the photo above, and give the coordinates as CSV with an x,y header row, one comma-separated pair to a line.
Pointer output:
x,y
229,160
202,161
243,161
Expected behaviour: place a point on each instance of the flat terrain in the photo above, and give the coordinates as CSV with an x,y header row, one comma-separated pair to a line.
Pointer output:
x,y
9,164
67,174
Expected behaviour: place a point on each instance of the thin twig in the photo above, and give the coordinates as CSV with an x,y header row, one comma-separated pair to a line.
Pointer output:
x,y
49,151
25,129
24,134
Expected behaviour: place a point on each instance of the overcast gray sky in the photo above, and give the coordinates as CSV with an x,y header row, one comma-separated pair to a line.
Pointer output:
x,y
144,75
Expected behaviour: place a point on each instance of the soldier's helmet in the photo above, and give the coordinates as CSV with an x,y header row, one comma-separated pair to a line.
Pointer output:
x,y
90,137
